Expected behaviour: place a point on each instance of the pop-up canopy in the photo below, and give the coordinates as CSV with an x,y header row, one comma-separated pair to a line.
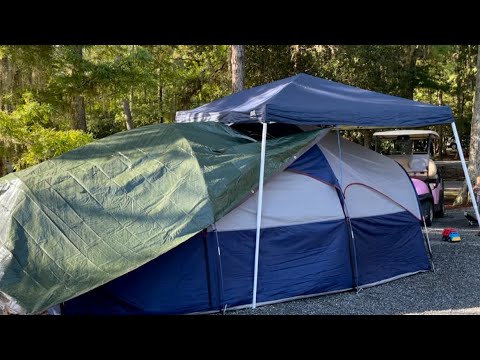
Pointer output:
x,y
307,100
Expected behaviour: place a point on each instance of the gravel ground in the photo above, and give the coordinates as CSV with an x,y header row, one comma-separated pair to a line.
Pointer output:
x,y
454,288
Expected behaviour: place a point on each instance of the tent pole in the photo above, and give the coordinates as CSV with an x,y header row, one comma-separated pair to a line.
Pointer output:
x,y
259,213
465,171
427,239
353,251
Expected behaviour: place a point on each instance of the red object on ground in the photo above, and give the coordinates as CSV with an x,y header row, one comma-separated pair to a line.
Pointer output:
x,y
447,231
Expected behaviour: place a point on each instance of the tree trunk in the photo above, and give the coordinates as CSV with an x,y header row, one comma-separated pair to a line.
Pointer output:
x,y
3,76
229,57
238,67
6,83
128,114
441,148
367,138
410,70
160,101
459,70
79,119
2,167
295,56
460,103
474,158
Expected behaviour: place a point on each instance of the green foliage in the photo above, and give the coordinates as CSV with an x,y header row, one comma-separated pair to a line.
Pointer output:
x,y
47,143
448,72
25,139
38,83
268,63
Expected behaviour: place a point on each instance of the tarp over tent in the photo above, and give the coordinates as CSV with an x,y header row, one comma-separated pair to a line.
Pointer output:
x,y
95,213
314,241
308,100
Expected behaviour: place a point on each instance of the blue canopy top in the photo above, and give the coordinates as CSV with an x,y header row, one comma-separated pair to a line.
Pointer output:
x,y
309,100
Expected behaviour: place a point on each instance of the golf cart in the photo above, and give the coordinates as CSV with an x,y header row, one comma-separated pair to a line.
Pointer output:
x,y
413,149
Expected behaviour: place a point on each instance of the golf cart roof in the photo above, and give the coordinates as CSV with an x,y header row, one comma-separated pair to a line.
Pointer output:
x,y
413,134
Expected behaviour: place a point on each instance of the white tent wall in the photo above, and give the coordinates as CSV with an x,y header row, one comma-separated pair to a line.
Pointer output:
x,y
288,199
359,200
293,199
374,175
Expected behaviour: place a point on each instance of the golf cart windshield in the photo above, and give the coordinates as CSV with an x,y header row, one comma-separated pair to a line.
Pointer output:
x,y
412,149
404,146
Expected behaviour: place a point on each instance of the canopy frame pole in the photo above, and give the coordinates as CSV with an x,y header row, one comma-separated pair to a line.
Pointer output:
x,y
465,171
353,249
259,213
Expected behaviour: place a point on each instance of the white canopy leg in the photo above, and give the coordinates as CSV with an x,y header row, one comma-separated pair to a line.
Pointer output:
x,y
259,213
465,171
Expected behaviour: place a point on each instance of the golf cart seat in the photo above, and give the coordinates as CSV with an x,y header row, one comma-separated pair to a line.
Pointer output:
x,y
417,166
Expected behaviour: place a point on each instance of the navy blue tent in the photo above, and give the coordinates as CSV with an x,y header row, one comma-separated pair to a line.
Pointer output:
x,y
308,100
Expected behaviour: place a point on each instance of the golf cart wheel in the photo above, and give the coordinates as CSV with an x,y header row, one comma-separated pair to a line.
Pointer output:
x,y
441,206
427,209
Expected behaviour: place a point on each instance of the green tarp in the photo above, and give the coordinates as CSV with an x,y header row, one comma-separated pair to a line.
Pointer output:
x,y
95,213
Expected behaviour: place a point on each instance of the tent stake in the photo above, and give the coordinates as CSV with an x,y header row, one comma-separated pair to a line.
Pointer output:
x,y
465,171
259,213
